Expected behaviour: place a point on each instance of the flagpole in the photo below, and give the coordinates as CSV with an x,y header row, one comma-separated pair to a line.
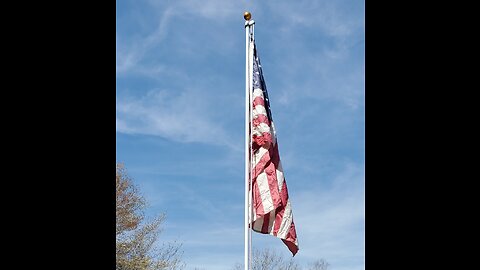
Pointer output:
x,y
248,32
250,81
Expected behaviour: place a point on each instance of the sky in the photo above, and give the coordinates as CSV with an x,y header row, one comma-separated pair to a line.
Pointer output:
x,y
180,90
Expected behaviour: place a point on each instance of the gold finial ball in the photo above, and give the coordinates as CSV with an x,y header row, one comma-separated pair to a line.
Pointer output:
x,y
247,16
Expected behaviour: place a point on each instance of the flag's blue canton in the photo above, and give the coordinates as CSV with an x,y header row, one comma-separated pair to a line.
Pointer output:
x,y
259,82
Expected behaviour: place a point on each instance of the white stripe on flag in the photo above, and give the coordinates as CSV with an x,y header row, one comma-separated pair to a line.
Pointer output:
x,y
264,190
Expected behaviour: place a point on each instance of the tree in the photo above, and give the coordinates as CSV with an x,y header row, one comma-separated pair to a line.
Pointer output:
x,y
319,265
269,260
135,237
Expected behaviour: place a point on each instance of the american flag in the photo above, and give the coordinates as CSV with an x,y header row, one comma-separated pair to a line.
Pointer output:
x,y
272,212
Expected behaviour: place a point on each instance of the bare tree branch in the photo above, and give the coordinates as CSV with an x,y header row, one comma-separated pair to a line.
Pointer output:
x,y
135,237
269,260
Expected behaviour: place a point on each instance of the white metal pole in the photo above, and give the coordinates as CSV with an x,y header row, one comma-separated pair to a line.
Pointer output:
x,y
247,144
248,114
250,81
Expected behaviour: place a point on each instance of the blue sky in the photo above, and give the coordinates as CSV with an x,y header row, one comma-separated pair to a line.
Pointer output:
x,y
180,80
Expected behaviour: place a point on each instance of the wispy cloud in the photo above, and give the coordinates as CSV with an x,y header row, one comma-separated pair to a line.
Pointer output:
x,y
213,9
132,51
334,219
335,19
183,117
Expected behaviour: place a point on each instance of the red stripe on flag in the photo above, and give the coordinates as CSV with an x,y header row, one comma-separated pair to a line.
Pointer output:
x,y
260,166
258,101
271,173
261,141
261,118
275,158
278,219
266,222
291,246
